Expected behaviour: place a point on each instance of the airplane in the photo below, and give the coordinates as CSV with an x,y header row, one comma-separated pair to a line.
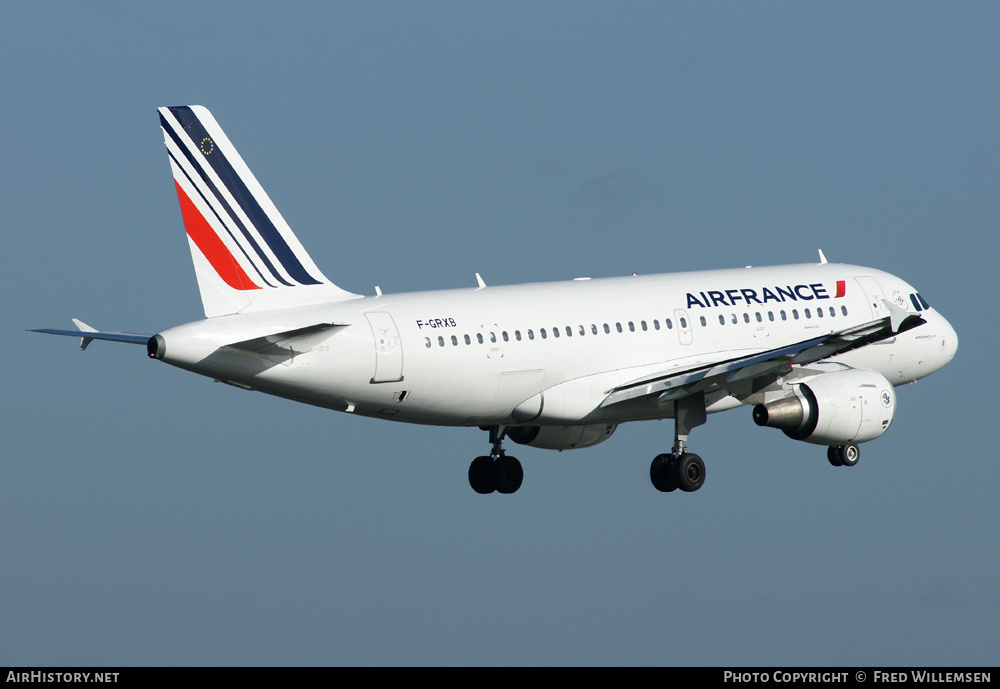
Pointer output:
x,y
816,350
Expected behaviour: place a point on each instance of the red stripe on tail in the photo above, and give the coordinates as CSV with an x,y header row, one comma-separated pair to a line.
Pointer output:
x,y
841,288
211,246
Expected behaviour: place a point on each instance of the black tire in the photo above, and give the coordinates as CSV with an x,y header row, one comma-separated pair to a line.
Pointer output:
x,y
690,472
850,454
661,474
481,475
507,474
834,456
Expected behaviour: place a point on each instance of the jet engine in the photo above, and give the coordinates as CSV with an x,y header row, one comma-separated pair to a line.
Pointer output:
x,y
838,408
561,437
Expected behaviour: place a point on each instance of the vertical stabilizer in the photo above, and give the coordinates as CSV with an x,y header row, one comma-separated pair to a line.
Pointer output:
x,y
245,256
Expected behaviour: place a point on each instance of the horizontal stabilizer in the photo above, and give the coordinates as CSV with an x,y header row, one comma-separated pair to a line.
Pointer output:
x,y
88,334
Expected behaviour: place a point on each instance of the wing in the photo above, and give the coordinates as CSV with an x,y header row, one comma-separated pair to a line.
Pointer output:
x,y
763,368
283,346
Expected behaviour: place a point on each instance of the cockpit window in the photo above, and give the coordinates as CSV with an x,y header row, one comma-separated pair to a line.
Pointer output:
x,y
923,302
916,304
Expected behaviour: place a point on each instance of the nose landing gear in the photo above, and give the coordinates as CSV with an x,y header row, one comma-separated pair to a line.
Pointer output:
x,y
843,455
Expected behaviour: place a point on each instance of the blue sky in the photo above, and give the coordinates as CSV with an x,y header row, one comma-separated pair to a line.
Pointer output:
x,y
152,517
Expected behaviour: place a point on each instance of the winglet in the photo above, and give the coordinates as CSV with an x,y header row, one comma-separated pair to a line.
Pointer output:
x,y
84,341
901,320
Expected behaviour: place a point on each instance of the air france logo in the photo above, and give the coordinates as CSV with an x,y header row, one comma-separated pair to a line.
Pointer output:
x,y
764,295
886,399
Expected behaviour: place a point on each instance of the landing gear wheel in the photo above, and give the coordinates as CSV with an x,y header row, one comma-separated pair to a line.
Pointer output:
x,y
481,475
843,455
833,455
497,472
661,473
850,454
690,472
507,474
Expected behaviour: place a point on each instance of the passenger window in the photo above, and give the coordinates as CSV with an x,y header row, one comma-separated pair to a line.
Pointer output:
x,y
583,330
569,331
784,316
440,341
504,336
555,332
468,340
618,326
759,318
541,331
819,312
833,311
722,319
656,324
479,336
517,335
631,327
670,324
843,310
735,321
807,313
493,337
531,334
683,322
606,329
593,328
746,317
427,342
642,324
454,340
703,322
795,314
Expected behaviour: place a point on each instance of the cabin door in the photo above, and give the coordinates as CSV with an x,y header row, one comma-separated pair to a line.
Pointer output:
x,y
388,348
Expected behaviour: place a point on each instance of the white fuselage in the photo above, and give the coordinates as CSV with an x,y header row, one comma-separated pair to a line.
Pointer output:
x,y
550,353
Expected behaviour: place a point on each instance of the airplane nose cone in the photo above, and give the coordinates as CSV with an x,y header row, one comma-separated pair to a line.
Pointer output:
x,y
945,344
949,342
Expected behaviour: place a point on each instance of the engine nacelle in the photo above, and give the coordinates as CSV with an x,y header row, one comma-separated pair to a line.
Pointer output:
x,y
561,437
837,408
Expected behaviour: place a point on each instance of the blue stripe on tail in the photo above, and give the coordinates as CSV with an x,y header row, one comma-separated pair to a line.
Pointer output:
x,y
244,198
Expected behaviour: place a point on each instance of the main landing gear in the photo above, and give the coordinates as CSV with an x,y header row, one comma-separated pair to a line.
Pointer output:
x,y
681,469
496,472
843,455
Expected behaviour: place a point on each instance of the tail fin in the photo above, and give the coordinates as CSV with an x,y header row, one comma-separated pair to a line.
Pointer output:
x,y
245,256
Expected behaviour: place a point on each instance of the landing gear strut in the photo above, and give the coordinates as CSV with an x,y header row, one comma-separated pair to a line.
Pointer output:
x,y
496,472
681,469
